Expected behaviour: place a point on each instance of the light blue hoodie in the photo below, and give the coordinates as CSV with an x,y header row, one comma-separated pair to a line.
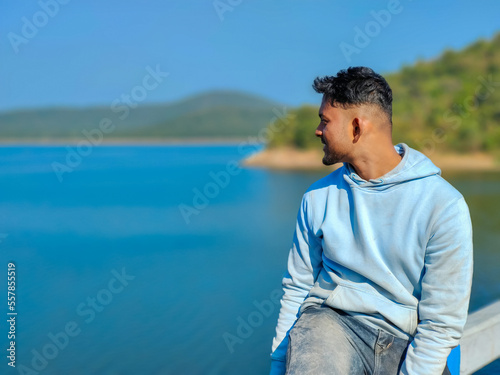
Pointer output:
x,y
395,252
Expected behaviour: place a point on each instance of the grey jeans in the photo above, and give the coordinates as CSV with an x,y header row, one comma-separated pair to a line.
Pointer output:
x,y
329,341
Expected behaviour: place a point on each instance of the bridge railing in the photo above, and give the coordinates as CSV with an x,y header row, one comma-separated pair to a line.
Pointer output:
x,y
480,343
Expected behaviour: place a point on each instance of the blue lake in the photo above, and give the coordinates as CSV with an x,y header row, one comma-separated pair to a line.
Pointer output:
x,y
144,276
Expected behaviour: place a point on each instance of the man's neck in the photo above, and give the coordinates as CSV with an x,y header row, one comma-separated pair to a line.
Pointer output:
x,y
376,163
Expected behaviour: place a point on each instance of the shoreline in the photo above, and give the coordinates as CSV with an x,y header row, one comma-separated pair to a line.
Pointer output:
x,y
284,158
293,159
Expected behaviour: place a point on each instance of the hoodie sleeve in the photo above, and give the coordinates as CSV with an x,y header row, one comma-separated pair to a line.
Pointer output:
x,y
304,262
446,286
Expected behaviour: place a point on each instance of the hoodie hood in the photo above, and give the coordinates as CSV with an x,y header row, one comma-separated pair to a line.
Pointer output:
x,y
413,165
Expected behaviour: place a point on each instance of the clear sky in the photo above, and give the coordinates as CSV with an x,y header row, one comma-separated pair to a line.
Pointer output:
x,y
89,52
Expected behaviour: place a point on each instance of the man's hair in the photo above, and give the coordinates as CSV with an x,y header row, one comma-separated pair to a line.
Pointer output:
x,y
356,86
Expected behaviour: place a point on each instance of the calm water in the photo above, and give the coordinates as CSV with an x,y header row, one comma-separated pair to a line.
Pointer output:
x,y
190,285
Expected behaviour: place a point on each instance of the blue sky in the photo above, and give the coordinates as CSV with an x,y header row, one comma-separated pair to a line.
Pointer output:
x,y
91,52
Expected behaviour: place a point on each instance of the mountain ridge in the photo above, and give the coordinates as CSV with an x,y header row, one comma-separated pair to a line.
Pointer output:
x,y
246,114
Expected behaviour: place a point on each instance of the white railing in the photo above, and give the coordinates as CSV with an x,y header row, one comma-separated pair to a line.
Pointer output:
x,y
480,343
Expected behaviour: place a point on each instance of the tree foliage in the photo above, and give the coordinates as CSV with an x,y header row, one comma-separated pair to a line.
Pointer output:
x,y
449,104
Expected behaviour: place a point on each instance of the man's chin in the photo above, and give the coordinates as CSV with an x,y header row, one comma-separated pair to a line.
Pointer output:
x,y
328,161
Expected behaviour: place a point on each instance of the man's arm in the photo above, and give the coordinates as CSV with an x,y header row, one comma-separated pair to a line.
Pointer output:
x,y
446,285
304,262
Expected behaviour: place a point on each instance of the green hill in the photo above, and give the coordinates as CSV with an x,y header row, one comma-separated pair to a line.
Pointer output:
x,y
215,114
449,103
221,114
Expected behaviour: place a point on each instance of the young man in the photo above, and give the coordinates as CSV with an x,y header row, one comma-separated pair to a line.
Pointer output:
x,y
379,274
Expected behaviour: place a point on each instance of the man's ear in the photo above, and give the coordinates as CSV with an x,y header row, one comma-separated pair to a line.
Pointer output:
x,y
356,129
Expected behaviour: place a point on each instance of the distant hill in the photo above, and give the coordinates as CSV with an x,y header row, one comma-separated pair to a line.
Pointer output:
x,y
450,104
216,114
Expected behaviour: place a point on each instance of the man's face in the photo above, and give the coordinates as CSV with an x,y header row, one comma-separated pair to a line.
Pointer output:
x,y
332,130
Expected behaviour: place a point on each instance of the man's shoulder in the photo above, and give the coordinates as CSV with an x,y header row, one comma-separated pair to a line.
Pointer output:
x,y
442,190
431,182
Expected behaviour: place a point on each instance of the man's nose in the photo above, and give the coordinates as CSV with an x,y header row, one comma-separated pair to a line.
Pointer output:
x,y
319,131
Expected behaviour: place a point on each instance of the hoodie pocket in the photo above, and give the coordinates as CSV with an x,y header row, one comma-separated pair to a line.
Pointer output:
x,y
356,299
